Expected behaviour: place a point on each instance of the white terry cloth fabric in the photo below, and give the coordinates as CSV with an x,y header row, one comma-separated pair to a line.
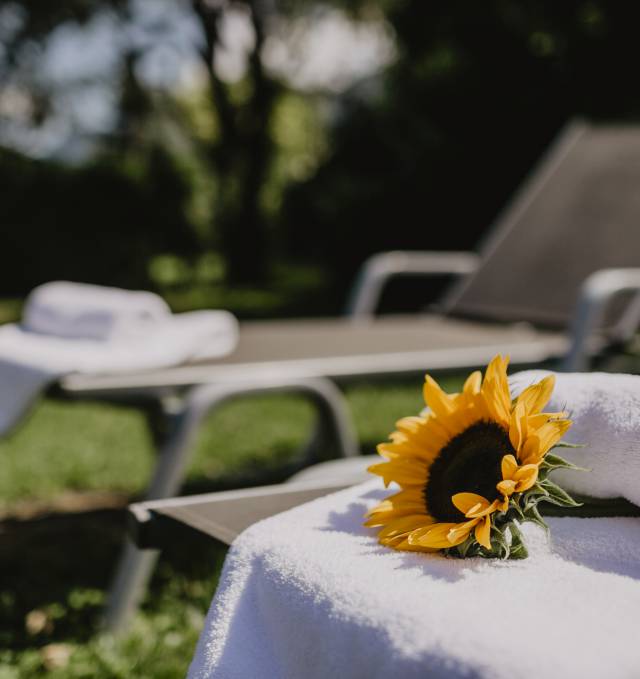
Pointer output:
x,y
81,311
605,409
309,593
65,332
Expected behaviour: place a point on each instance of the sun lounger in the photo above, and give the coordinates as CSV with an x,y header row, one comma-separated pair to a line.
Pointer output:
x,y
224,515
282,574
310,593
533,293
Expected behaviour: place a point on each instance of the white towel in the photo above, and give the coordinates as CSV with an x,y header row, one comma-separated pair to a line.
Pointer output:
x,y
309,593
63,333
82,311
605,409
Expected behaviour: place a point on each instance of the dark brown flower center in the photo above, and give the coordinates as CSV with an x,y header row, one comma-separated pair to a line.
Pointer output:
x,y
469,463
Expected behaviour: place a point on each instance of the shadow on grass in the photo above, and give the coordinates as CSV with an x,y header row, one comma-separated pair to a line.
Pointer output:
x,y
60,564
44,560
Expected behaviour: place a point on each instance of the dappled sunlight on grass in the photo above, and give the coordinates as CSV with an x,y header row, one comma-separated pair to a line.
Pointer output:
x,y
75,446
55,565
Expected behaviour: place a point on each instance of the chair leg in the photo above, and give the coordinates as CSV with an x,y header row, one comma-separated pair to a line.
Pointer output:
x,y
136,566
333,430
133,572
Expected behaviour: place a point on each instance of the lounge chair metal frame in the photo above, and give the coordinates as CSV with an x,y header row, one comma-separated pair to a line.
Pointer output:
x,y
180,397
183,416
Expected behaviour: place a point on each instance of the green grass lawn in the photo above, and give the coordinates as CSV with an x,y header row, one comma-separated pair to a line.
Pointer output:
x,y
55,563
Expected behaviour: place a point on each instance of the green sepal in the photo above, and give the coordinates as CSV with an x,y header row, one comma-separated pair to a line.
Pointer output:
x,y
531,500
507,541
468,548
557,496
502,546
514,506
534,516
465,546
518,549
552,461
537,490
564,444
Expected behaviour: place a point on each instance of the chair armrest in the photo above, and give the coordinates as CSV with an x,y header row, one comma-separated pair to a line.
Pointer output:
x,y
379,269
596,293
222,515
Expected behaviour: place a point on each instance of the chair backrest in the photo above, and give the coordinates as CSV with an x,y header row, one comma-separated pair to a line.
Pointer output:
x,y
578,212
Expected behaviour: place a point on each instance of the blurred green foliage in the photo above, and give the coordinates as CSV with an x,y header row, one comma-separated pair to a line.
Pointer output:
x,y
426,155
98,224
55,566
232,182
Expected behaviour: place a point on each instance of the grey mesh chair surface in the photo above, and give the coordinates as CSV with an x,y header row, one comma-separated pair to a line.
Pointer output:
x,y
541,289
579,213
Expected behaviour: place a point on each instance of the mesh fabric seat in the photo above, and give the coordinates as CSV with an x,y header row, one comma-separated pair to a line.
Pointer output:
x,y
578,213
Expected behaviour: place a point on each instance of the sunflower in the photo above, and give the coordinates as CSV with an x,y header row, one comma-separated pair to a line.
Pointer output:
x,y
468,466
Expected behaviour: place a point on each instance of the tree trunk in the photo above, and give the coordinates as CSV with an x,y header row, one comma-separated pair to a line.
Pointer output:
x,y
241,155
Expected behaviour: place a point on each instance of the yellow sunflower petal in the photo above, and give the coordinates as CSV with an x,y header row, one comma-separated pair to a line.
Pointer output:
x,y
435,430
407,428
406,546
401,443
406,448
436,537
494,367
537,445
404,503
404,471
473,383
403,525
441,404
530,451
525,477
497,372
465,502
481,510
384,506
461,532
535,397
411,423
497,406
383,518
518,426
410,496
506,487
424,434
536,421
550,433
483,532
509,466
413,536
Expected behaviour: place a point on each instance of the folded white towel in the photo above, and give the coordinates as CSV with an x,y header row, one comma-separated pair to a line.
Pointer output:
x,y
82,311
126,331
309,593
605,409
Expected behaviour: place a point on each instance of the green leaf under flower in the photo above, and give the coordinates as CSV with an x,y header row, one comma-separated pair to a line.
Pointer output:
x,y
552,462
557,495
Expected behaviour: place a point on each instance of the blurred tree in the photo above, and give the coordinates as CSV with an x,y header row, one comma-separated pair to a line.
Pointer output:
x,y
93,224
425,155
241,153
421,155
99,222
